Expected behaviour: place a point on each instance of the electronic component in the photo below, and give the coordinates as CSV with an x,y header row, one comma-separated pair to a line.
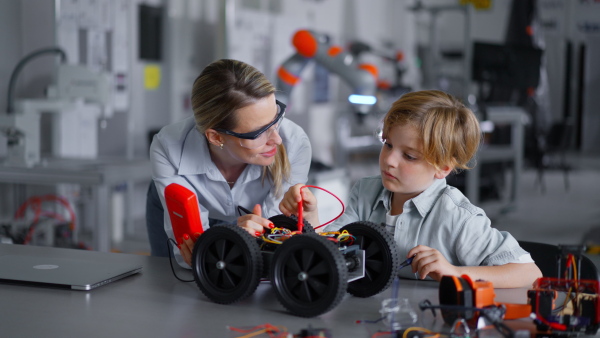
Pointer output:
x,y
567,305
468,303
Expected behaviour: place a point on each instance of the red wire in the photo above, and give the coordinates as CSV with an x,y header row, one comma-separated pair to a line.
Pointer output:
x,y
556,326
300,219
36,205
270,330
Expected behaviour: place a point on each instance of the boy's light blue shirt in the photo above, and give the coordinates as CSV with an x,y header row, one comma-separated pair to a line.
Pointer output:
x,y
441,217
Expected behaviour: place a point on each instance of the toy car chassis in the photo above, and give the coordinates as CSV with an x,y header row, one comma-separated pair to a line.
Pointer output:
x,y
310,272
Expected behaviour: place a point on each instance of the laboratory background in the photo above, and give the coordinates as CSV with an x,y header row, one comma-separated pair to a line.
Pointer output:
x,y
85,84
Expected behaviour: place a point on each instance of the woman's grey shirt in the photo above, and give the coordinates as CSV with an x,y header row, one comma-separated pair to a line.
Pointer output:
x,y
179,154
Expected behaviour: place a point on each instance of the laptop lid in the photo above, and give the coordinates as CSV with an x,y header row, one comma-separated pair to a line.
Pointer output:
x,y
83,272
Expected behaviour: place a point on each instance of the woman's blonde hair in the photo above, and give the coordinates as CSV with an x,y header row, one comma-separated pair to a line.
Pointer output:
x,y
222,88
449,130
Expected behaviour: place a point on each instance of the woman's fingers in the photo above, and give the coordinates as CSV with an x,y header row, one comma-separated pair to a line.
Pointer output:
x,y
257,210
186,248
255,225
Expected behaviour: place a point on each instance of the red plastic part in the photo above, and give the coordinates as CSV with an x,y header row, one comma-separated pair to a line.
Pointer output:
x,y
305,43
568,285
182,205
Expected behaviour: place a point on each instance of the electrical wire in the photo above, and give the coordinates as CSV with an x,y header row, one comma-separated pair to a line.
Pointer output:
x,y
575,300
367,321
339,237
575,273
277,235
557,326
35,203
272,330
330,193
169,249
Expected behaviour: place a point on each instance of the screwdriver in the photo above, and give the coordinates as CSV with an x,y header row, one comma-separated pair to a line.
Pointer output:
x,y
407,262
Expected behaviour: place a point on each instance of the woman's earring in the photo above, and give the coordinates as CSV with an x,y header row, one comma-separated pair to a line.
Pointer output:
x,y
221,146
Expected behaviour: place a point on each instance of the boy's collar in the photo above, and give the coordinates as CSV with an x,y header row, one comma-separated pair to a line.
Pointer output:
x,y
383,198
423,202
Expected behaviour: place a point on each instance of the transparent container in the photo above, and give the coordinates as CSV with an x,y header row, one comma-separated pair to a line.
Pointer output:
x,y
397,314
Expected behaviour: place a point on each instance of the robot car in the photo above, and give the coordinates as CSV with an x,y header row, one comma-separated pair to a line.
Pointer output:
x,y
311,272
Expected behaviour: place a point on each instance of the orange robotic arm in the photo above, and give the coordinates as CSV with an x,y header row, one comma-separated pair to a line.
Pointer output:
x,y
310,46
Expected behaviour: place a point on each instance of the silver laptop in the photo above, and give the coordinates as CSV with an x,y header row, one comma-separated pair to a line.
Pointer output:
x,y
84,272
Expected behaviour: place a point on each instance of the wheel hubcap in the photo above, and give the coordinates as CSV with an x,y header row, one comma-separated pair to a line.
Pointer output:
x,y
302,276
221,265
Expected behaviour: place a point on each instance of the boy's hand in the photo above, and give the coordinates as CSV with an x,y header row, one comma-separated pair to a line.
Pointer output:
x,y
429,261
289,203
187,247
254,223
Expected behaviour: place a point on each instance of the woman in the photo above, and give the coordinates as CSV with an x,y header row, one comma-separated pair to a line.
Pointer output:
x,y
237,150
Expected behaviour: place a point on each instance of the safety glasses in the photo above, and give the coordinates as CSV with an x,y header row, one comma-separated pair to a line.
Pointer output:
x,y
258,138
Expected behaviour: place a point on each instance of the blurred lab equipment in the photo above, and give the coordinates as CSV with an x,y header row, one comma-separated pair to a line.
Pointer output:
x,y
354,131
75,103
310,45
395,58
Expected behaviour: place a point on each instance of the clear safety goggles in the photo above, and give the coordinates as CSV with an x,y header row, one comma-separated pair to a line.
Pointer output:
x,y
258,138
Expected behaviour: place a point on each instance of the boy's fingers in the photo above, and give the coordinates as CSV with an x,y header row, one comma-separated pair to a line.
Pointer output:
x,y
286,208
299,196
297,192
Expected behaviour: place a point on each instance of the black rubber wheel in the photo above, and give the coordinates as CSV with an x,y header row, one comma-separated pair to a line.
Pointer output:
x,y
291,222
381,258
309,275
227,264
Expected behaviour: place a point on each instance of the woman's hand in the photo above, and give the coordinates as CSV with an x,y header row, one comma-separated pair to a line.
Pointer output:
x,y
187,247
429,261
289,204
254,223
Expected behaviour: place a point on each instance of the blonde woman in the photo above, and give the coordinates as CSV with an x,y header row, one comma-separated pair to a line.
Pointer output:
x,y
237,150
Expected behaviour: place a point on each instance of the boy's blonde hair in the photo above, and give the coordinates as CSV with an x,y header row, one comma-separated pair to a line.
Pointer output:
x,y
449,131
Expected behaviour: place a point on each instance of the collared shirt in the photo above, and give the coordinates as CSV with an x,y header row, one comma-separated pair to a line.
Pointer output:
x,y
441,217
179,154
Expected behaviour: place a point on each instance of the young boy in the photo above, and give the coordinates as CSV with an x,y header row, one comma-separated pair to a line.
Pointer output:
x,y
427,135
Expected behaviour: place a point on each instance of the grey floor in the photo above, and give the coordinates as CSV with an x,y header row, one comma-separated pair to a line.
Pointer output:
x,y
563,213
559,215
